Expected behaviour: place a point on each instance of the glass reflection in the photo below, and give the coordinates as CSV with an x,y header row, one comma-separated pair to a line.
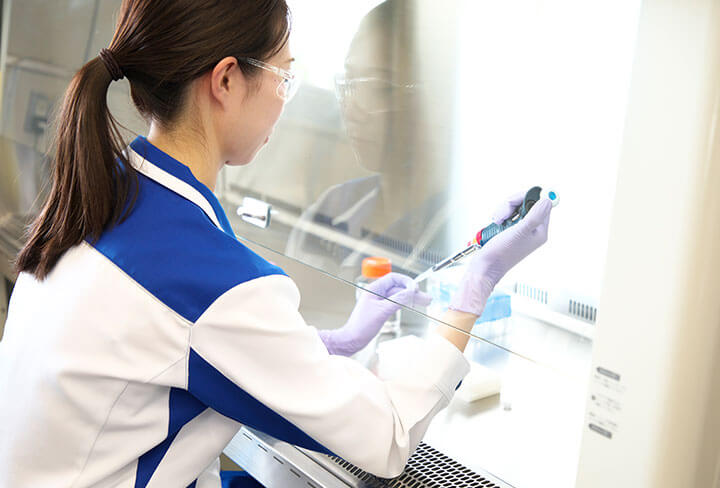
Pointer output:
x,y
401,209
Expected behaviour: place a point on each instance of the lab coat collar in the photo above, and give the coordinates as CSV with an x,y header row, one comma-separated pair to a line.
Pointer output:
x,y
172,174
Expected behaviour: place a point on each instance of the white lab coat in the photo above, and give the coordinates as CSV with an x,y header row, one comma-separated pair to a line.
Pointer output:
x,y
138,358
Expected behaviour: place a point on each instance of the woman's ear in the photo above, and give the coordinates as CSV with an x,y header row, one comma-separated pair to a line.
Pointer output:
x,y
226,80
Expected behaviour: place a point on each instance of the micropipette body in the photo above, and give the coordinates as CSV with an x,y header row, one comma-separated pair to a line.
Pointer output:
x,y
482,237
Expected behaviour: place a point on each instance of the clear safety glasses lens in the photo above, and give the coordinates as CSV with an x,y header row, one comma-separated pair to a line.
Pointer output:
x,y
289,84
288,88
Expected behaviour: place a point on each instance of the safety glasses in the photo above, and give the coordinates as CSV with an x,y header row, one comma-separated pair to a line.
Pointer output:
x,y
289,84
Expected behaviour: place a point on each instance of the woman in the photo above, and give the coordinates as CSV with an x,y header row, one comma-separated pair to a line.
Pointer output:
x,y
141,333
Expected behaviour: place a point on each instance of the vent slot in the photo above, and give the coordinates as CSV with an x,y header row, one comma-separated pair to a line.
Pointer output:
x,y
532,292
582,311
575,308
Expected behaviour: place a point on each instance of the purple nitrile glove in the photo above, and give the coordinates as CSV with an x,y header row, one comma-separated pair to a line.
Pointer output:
x,y
371,311
501,253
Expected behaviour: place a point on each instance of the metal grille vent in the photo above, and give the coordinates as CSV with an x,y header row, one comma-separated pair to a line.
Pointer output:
x,y
427,467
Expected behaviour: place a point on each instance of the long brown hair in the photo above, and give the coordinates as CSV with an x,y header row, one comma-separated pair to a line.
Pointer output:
x,y
160,46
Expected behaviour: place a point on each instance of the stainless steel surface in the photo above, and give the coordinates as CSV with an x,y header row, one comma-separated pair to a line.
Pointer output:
x,y
277,464
530,433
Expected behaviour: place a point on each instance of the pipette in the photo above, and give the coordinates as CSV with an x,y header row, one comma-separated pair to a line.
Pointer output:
x,y
481,238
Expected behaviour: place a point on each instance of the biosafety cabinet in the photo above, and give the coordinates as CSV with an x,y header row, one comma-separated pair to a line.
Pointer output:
x,y
415,119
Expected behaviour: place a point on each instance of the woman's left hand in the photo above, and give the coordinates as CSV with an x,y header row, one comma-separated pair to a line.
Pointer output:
x,y
381,300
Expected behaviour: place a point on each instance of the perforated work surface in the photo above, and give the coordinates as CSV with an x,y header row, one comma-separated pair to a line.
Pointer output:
x,y
428,467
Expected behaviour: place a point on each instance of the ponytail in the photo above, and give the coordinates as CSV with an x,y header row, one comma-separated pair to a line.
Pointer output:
x,y
162,46
93,184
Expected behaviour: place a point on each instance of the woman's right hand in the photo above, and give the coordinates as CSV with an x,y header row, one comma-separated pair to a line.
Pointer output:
x,y
501,253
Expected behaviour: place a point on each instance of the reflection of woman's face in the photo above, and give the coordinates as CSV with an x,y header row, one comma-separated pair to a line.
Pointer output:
x,y
375,104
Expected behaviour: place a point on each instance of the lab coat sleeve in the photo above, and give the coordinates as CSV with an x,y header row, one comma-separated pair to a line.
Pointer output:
x,y
254,359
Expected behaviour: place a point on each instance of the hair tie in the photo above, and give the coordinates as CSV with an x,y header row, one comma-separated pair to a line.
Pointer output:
x,y
111,64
